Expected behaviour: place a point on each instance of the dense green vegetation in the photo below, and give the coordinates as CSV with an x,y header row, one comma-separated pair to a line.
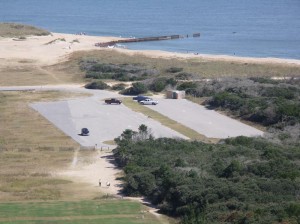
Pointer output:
x,y
120,72
242,180
97,85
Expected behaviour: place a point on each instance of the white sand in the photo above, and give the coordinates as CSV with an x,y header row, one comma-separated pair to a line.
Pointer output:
x,y
40,50
36,48
99,168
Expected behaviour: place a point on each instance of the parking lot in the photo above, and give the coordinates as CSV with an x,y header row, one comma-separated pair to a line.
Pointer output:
x,y
207,122
106,122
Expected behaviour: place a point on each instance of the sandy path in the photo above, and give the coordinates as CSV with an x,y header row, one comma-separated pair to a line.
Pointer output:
x,y
100,167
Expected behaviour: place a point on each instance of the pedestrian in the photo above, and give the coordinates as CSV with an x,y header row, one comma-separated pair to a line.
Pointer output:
x,y
99,182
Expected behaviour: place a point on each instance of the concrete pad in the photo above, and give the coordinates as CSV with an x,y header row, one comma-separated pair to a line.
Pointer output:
x,y
207,122
105,122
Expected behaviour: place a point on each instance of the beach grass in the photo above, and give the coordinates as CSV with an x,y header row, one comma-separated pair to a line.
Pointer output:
x,y
91,211
20,30
164,120
199,67
27,72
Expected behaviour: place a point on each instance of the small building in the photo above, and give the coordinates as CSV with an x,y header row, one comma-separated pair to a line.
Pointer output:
x,y
175,94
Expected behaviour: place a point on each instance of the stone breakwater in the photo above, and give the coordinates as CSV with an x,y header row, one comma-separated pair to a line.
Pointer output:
x,y
143,39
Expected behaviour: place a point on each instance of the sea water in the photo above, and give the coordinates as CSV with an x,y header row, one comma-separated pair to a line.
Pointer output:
x,y
255,28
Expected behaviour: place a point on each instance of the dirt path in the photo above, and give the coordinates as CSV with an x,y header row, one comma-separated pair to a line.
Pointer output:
x,y
99,168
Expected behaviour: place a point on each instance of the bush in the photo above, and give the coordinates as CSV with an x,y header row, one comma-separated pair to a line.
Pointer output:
x,y
187,85
120,86
160,84
184,76
136,89
174,70
97,85
121,72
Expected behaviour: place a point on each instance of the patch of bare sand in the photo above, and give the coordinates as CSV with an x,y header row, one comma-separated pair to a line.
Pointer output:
x,y
47,50
100,167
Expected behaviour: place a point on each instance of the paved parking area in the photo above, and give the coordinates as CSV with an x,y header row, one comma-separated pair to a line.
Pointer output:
x,y
105,122
207,122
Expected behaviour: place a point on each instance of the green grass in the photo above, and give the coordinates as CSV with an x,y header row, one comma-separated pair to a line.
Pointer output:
x,y
164,120
102,211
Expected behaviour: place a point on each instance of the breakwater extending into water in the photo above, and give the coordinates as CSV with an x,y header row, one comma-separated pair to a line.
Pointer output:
x,y
143,39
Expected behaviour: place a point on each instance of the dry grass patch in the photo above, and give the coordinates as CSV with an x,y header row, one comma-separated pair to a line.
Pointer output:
x,y
26,72
20,30
23,127
199,67
32,150
186,131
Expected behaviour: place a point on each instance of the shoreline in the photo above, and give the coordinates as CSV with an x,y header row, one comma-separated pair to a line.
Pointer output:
x,y
57,47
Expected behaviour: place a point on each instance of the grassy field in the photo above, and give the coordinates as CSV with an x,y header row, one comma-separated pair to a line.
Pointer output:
x,y
96,211
31,149
190,133
20,30
26,72
200,68
23,127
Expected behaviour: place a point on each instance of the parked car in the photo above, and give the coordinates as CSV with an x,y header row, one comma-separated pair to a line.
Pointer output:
x,y
148,102
140,98
113,100
85,132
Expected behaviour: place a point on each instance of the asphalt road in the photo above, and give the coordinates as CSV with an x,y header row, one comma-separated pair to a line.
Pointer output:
x,y
207,122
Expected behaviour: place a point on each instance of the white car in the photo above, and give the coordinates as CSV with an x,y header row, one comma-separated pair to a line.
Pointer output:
x,y
148,102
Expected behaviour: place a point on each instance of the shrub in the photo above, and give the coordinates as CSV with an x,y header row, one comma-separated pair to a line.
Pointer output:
x,y
97,85
122,72
174,70
119,86
160,84
187,85
184,76
136,89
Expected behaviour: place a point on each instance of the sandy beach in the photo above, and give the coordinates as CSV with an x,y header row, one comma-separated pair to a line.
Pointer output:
x,y
49,50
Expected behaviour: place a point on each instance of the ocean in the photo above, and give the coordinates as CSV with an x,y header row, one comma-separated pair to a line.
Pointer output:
x,y
256,28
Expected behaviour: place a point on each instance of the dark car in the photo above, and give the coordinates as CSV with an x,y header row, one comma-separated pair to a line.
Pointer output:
x,y
85,132
113,100
140,98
